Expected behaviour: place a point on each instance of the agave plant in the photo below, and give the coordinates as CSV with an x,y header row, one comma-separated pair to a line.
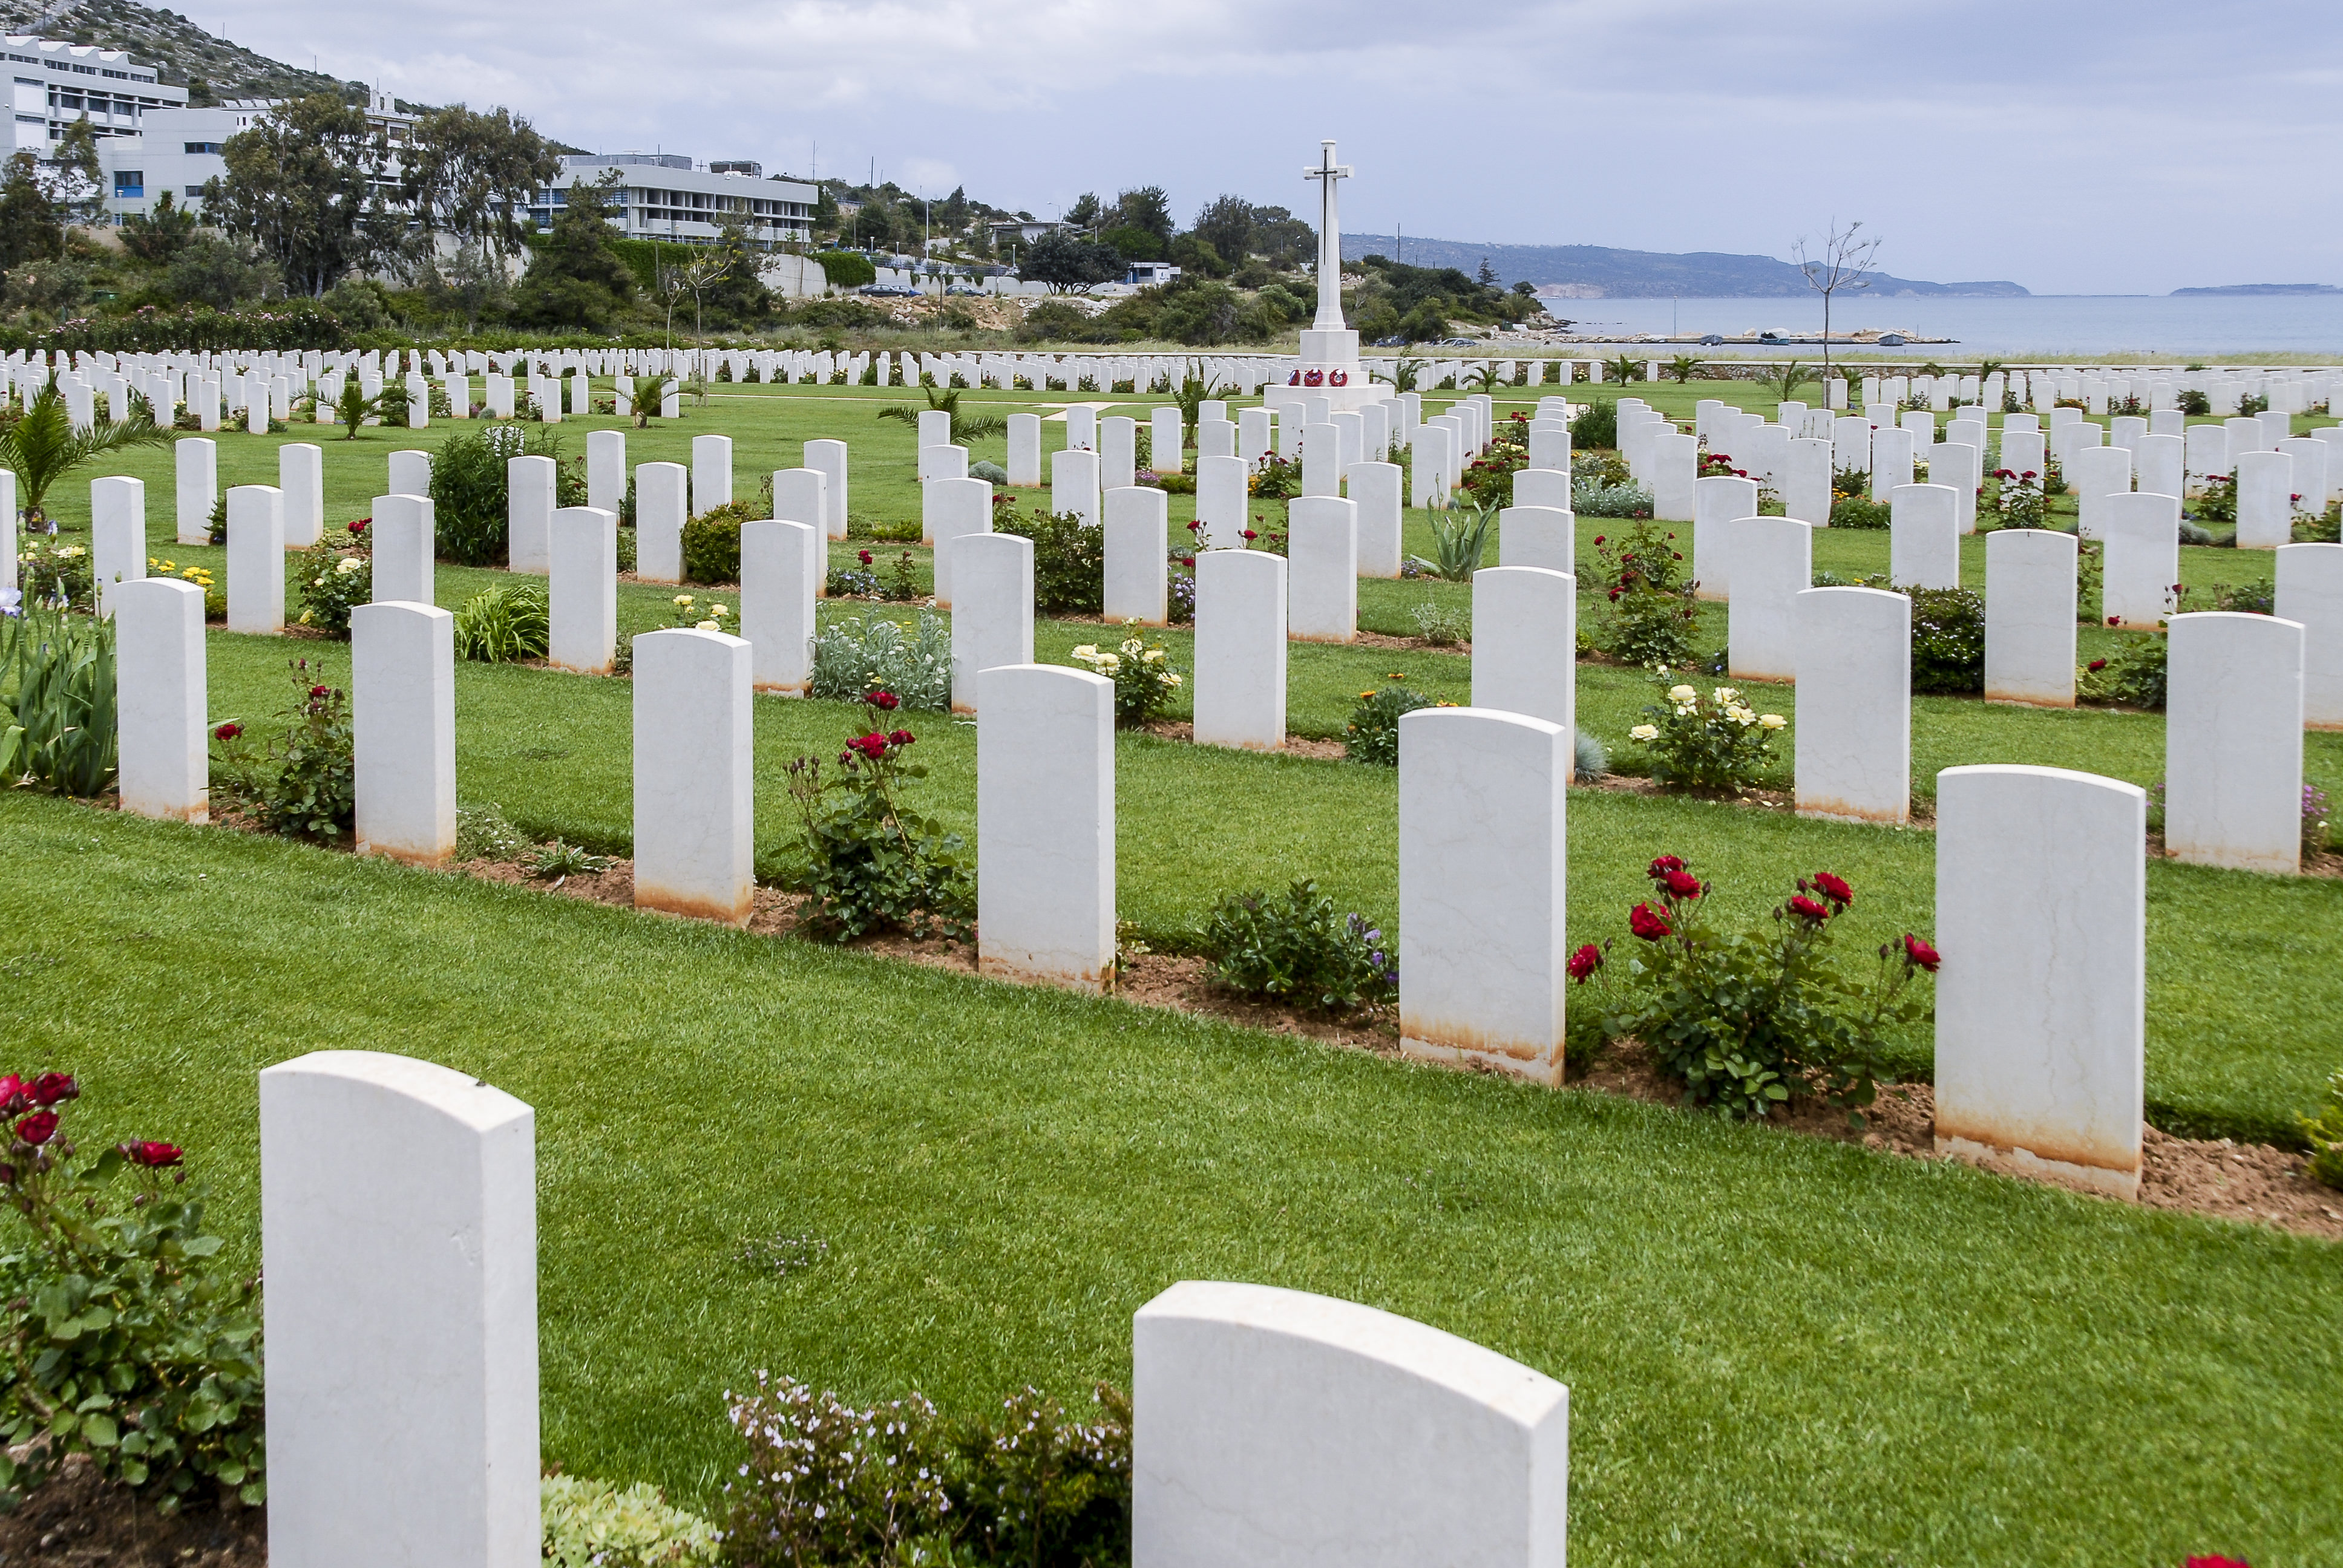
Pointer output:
x,y
1462,539
57,722
43,446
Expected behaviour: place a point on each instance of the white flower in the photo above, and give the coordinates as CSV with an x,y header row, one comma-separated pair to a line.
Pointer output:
x,y
349,564
1171,680
682,598
1682,694
709,625
1772,721
1726,693
1644,732
1088,650
719,612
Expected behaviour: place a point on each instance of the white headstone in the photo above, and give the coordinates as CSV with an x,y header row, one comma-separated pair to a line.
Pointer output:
x,y
1481,889
1323,569
2233,742
1717,503
1806,486
1221,500
1375,491
992,609
711,472
528,513
400,1315
1769,561
2041,1002
1118,457
301,475
2141,560
781,577
2029,616
1138,542
694,800
1537,537
606,470
830,458
1854,734
662,502
256,559
2096,474
1025,450
1240,680
1074,484
1924,537
117,533
1525,643
1275,1429
948,509
1164,441
196,461
2265,500
1045,825
402,530
2310,592
2162,463
164,769
1891,460
582,592
1675,463
403,731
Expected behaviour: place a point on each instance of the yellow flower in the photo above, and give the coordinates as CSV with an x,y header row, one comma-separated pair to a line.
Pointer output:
x,y
709,625
1171,680
719,612
304,618
682,598
1364,695
1682,694
1644,732
1772,721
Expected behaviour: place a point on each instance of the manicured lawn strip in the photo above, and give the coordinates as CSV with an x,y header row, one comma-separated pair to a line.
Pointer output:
x,y
1777,1348
1195,823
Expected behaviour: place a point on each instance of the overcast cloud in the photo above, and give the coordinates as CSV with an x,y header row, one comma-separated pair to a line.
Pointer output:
x,y
2071,148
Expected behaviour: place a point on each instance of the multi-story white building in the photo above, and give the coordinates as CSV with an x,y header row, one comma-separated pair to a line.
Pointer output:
x,y
177,149
56,83
665,196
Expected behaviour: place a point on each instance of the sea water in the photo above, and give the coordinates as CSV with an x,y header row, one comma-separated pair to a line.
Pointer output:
x,y
2033,328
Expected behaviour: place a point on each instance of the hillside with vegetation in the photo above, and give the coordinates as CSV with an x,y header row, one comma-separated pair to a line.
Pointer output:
x,y
213,70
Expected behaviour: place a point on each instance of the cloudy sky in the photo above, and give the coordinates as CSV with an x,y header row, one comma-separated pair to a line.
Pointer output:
x,y
2075,149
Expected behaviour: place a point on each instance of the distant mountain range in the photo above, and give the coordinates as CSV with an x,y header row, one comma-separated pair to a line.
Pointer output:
x,y
2264,288
1600,272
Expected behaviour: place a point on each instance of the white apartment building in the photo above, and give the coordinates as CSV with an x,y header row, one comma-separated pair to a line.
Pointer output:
x,y
177,149
55,83
665,196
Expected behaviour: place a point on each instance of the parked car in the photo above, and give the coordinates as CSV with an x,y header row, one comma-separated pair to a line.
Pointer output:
x,y
962,289
890,291
1711,340
1892,340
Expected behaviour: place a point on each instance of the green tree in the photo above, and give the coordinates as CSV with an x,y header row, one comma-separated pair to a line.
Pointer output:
x,y
1134,244
1086,211
738,295
471,174
304,185
1146,208
158,235
826,215
1226,225
29,229
1065,261
220,273
575,278
73,176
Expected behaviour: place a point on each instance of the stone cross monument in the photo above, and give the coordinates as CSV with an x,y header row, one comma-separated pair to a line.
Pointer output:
x,y
1330,368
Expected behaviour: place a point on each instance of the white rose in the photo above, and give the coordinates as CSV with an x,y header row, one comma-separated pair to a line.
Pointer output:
x,y
1682,694
1644,732
1773,721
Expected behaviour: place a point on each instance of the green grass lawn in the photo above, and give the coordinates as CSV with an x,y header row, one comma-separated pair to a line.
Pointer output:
x,y
1779,1350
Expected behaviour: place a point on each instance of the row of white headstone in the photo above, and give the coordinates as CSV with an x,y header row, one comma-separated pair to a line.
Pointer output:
x,y
399,1240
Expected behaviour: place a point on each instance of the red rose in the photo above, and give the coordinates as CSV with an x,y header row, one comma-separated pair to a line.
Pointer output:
x,y
38,1128
1250,534
360,526
228,731
1648,922
2096,665
873,746
900,737
883,699
1919,954
1682,885
2114,620
1584,962
51,1087
13,1095
155,1156
2028,474
1663,865
1598,539
1834,889
316,692
1806,908
1188,561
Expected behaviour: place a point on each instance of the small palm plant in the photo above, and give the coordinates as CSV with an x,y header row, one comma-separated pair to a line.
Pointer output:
x,y
1624,369
1195,389
1402,375
43,446
964,427
354,408
649,396
1787,379
1683,368
1484,379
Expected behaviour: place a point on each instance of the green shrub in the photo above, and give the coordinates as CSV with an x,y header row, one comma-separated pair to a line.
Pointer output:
x,y
1947,639
896,1484
58,723
866,861
303,781
846,268
1441,626
507,621
856,655
1745,1020
1860,512
1651,614
1714,742
1372,736
2324,1133
1589,761
49,573
2132,678
1069,560
1144,678
334,581
1460,538
471,487
1295,948
1592,498
595,1525
711,543
122,1342
1598,427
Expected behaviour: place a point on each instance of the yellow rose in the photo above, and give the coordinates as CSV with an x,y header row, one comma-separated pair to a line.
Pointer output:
x,y
1773,721
1682,694
1644,732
